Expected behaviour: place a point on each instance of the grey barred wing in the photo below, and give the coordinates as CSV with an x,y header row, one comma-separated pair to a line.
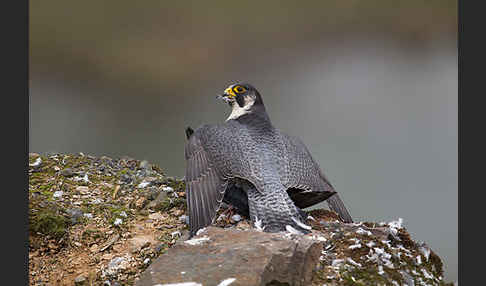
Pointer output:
x,y
205,185
303,178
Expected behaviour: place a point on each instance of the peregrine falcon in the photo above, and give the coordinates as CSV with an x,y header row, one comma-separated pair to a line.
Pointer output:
x,y
249,163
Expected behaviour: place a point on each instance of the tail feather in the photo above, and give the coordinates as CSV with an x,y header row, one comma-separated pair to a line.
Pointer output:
x,y
189,132
336,204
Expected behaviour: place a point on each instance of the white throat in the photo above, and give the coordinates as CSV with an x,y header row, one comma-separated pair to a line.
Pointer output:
x,y
239,111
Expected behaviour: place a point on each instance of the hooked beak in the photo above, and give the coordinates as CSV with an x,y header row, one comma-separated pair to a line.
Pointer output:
x,y
228,96
223,97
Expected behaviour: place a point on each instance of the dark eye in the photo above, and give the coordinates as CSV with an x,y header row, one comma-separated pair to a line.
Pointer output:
x,y
239,89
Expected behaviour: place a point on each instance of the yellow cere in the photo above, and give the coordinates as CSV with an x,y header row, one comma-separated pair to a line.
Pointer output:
x,y
230,92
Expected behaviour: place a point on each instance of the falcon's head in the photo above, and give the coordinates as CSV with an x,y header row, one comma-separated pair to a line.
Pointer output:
x,y
241,95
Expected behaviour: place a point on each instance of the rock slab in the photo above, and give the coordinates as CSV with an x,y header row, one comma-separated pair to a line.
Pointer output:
x,y
241,257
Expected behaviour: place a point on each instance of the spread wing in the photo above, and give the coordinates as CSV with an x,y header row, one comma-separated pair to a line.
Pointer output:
x,y
305,181
303,178
205,186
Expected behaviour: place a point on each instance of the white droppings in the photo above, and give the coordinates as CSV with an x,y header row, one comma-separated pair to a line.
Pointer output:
x,y
318,238
201,231
180,284
379,251
387,242
426,252
143,184
362,231
380,270
351,261
419,259
227,282
197,241
183,272
167,189
57,194
123,214
118,221
388,263
146,261
395,225
88,215
386,255
337,262
175,234
426,274
354,246
299,223
372,256
403,248
84,179
37,162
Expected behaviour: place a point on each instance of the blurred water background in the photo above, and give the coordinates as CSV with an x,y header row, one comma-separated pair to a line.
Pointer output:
x,y
369,86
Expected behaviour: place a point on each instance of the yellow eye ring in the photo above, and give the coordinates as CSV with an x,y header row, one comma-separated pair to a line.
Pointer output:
x,y
239,89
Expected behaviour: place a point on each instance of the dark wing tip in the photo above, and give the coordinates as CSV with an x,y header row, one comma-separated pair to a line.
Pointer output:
x,y
189,132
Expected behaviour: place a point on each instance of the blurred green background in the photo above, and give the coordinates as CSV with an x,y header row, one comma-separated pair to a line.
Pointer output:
x,y
369,86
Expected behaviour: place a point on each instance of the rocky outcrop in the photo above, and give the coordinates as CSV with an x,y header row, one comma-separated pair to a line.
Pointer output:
x,y
246,257
103,221
333,254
